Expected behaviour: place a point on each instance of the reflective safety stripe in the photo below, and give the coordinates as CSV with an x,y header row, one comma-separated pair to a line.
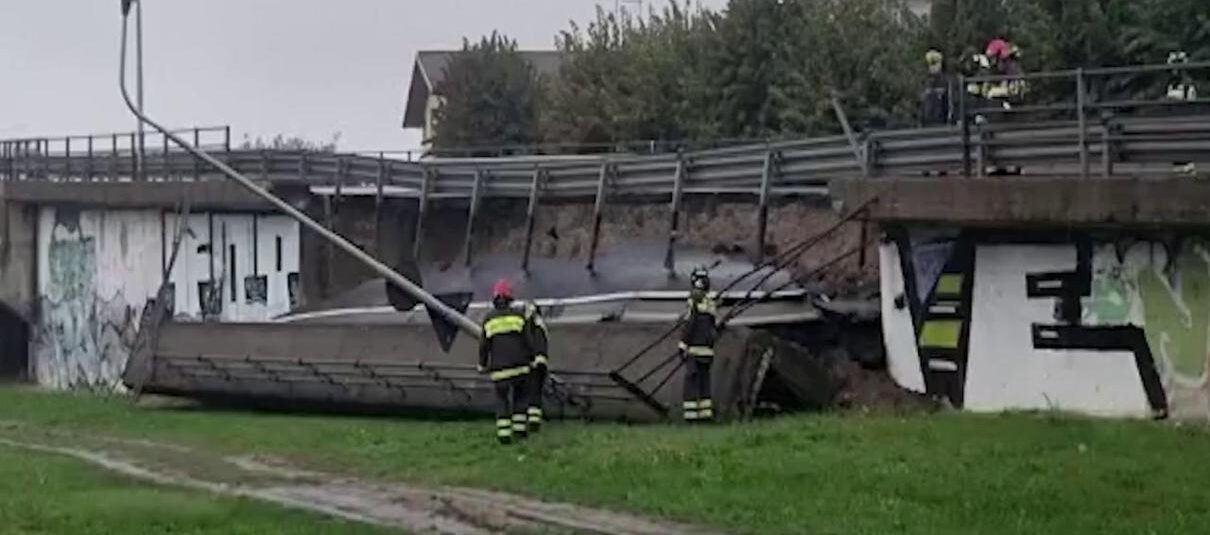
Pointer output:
x,y
503,422
534,411
705,413
689,405
535,418
519,417
540,359
504,427
696,351
505,432
511,323
509,373
706,305
691,415
705,404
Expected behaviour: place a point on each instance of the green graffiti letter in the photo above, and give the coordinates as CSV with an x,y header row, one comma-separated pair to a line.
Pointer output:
x,y
1176,316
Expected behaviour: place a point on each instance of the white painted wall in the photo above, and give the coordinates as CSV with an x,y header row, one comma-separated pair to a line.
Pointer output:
x,y
235,231
1004,371
898,331
96,270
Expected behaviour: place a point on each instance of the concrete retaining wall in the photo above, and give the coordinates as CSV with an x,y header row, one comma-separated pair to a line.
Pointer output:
x,y
1114,324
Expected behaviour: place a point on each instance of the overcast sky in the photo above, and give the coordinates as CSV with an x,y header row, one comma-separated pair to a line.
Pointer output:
x,y
299,67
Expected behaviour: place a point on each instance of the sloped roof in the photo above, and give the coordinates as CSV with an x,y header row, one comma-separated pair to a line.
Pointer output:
x,y
429,70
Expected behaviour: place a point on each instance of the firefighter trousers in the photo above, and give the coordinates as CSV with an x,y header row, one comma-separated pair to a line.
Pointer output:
x,y
511,405
698,405
537,382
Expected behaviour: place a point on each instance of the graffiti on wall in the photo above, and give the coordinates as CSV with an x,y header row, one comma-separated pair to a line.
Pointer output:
x,y
1102,324
97,270
1164,288
83,338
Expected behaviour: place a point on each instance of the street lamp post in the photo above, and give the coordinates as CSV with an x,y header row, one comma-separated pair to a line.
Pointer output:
x,y
141,159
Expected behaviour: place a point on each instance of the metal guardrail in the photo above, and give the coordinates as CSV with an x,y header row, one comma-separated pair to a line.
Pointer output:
x,y
1128,143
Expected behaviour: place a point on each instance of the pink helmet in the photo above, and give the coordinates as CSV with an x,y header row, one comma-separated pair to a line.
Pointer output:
x,y
998,48
502,288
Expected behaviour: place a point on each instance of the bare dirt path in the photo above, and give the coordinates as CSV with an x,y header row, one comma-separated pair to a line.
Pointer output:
x,y
420,509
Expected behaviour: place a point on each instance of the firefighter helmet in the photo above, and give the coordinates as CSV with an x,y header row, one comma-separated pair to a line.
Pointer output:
x,y
935,60
1178,56
700,279
503,289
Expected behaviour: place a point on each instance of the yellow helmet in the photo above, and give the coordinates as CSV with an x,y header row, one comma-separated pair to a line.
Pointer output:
x,y
934,57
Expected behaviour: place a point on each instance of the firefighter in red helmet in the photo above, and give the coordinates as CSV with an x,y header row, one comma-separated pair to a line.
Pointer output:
x,y
505,354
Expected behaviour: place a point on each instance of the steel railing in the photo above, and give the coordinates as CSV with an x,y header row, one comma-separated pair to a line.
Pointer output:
x,y
1112,132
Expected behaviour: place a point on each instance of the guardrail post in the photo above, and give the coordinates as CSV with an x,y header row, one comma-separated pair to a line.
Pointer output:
x,y
472,215
167,162
422,206
981,153
134,157
197,165
762,212
531,213
674,224
966,127
67,158
382,172
264,169
91,170
113,159
597,215
1082,118
1106,145
227,139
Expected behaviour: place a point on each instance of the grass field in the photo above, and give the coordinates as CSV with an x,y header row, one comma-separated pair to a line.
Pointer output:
x,y
926,473
54,495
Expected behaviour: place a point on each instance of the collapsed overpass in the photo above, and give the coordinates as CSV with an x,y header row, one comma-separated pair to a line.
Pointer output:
x,y
465,221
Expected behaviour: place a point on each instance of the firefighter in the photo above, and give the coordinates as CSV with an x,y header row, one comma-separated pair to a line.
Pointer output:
x,y
1181,88
1180,83
697,349
935,102
505,354
536,331
997,53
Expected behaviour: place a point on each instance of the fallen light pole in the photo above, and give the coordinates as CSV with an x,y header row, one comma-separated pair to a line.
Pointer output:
x,y
392,276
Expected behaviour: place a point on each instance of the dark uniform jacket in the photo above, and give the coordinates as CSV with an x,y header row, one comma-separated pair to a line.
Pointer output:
x,y
507,348
697,338
535,329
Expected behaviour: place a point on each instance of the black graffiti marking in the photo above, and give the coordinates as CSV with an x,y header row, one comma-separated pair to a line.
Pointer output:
x,y
1069,287
1114,338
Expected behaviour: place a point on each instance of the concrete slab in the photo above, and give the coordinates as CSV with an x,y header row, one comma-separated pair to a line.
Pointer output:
x,y
1032,201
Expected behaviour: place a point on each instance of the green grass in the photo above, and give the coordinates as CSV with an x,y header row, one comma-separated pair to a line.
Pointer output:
x,y
41,493
939,473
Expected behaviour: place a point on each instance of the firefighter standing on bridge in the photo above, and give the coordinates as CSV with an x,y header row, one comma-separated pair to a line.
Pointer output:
x,y
506,354
697,349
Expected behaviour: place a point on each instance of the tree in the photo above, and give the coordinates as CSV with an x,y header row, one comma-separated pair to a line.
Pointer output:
x,y
490,97
630,79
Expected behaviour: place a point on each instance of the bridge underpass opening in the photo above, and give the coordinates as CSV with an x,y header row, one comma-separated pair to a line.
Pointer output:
x,y
14,345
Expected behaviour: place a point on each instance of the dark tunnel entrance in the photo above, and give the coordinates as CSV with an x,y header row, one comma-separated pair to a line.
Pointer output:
x,y
14,345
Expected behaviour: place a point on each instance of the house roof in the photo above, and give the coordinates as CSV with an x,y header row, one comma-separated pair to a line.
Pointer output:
x,y
429,70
